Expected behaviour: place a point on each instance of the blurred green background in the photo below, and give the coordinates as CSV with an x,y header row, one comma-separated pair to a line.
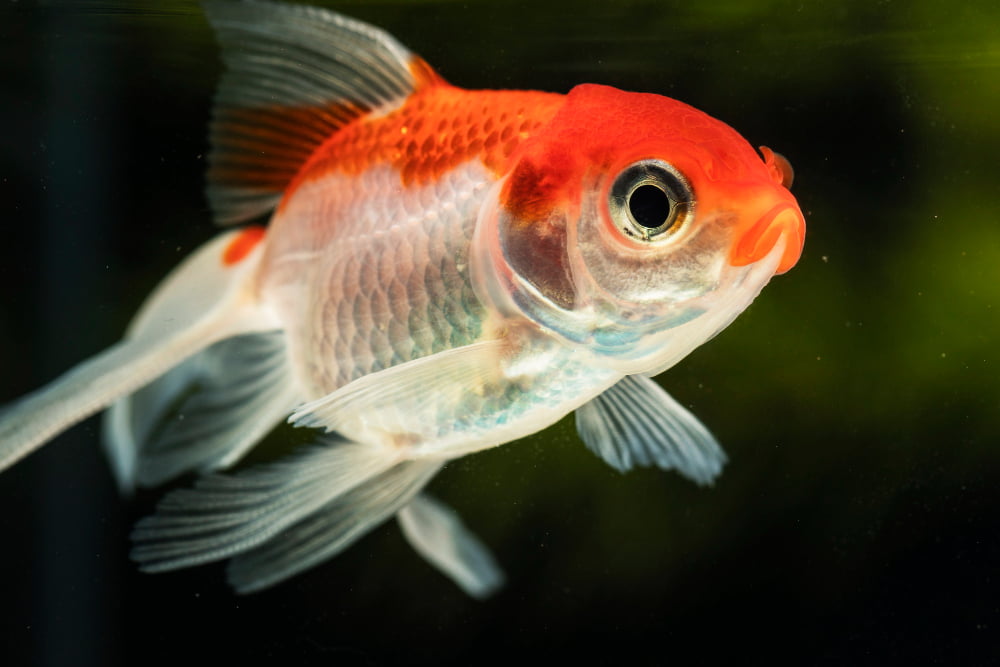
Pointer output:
x,y
857,398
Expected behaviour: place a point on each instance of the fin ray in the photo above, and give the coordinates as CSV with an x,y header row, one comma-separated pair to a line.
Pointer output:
x,y
636,423
332,529
324,69
387,401
224,515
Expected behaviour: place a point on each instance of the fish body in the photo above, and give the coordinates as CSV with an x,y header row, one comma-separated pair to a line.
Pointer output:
x,y
392,280
444,271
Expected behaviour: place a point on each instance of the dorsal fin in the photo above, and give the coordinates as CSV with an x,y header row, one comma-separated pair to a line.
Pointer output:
x,y
294,75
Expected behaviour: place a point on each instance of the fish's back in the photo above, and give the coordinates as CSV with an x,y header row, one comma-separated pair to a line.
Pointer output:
x,y
434,130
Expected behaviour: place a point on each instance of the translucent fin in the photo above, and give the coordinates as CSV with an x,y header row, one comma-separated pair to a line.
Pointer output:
x,y
294,75
332,529
205,300
130,420
28,423
205,414
438,534
390,400
636,423
224,515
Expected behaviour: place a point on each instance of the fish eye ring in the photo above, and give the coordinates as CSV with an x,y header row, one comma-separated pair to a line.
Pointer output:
x,y
650,200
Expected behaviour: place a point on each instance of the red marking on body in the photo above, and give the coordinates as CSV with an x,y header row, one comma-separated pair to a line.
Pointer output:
x,y
438,128
276,149
537,186
242,245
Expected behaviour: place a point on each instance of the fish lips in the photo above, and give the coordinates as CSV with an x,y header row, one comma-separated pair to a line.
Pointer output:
x,y
784,220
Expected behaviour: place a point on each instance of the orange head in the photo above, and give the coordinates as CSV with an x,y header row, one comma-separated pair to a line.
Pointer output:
x,y
636,224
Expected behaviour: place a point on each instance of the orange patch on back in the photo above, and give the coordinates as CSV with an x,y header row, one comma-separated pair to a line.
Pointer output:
x,y
438,128
242,245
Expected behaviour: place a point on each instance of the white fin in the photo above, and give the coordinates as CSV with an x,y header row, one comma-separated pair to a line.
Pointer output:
x,y
330,530
224,515
636,423
206,299
206,413
393,400
294,75
130,420
438,534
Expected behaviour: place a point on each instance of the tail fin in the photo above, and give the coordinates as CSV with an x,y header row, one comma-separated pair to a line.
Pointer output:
x,y
336,526
207,298
202,415
276,520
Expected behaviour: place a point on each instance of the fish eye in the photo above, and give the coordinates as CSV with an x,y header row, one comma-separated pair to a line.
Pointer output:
x,y
650,200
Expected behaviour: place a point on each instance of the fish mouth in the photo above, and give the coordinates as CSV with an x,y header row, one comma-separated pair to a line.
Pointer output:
x,y
783,220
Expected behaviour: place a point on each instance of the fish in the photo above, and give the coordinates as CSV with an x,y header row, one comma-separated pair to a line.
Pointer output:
x,y
442,271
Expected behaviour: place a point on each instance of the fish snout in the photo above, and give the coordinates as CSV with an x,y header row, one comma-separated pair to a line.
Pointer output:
x,y
782,221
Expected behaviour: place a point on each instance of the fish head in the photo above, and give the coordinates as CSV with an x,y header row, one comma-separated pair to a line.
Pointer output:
x,y
636,226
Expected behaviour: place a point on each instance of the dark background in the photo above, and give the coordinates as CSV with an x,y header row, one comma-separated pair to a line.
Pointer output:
x,y
857,398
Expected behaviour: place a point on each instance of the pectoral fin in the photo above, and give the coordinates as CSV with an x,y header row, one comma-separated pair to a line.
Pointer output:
x,y
411,398
636,423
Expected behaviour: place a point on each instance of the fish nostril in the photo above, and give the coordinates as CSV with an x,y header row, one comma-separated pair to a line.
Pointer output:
x,y
778,166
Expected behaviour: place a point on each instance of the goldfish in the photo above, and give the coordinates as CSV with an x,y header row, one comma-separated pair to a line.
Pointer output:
x,y
442,271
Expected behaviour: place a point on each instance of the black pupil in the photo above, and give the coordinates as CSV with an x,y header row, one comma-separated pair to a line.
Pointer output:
x,y
650,206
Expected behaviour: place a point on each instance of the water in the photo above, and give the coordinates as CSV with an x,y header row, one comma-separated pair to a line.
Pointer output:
x,y
857,399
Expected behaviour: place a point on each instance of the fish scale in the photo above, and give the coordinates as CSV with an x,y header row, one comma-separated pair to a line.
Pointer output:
x,y
486,126
429,304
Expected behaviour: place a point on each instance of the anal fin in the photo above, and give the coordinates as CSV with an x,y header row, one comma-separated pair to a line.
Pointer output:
x,y
438,534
